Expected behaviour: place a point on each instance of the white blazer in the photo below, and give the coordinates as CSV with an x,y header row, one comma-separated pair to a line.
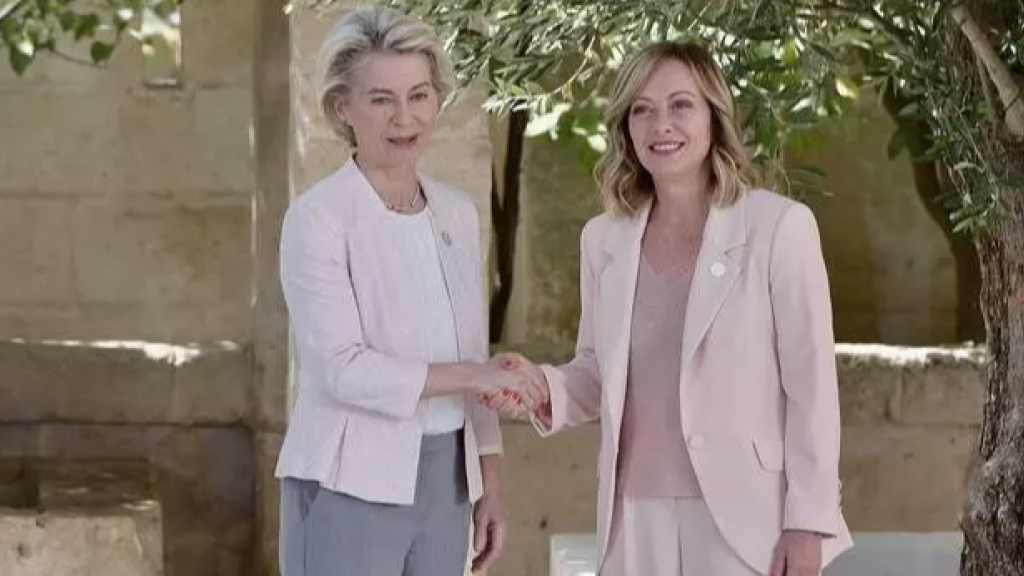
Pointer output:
x,y
358,419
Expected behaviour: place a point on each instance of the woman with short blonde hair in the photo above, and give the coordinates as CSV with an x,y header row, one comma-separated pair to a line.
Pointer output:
x,y
389,458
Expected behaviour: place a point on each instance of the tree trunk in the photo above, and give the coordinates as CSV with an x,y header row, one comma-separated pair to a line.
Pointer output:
x,y
505,221
993,520
917,135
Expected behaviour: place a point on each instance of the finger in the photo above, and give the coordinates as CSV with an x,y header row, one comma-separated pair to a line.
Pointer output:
x,y
539,382
778,563
482,554
506,406
495,544
480,530
508,360
522,397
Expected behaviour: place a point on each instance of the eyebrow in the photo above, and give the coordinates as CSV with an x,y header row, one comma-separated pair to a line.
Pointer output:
x,y
672,95
387,92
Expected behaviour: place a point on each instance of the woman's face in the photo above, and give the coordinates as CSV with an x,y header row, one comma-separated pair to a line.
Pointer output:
x,y
670,123
392,107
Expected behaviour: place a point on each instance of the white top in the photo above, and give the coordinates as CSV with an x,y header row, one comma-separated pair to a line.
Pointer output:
x,y
418,245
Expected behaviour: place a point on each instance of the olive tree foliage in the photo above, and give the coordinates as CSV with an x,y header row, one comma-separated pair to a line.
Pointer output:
x,y
82,31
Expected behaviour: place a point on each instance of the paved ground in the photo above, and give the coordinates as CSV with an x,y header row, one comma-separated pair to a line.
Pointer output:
x,y
875,554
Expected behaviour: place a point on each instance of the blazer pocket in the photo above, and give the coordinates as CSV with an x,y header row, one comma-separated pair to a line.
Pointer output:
x,y
770,453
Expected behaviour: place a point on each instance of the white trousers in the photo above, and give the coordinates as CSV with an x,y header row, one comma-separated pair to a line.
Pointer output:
x,y
670,537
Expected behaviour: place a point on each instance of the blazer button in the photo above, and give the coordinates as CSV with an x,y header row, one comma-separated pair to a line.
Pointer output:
x,y
696,441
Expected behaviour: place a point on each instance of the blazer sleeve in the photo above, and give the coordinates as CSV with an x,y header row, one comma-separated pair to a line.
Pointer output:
x,y
325,320
485,421
575,388
807,366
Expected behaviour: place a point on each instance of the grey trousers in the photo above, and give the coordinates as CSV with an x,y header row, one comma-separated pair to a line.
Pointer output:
x,y
325,533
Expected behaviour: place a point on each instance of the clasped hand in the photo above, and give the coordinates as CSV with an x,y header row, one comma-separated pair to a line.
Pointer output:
x,y
516,388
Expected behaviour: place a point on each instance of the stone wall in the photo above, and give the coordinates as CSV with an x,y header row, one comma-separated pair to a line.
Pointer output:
x,y
94,428
892,271
124,209
166,424
910,417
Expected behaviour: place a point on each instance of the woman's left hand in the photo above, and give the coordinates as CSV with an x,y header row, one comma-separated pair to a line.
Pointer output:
x,y
488,531
798,553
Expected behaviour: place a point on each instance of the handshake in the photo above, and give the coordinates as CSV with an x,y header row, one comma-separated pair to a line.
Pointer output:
x,y
514,386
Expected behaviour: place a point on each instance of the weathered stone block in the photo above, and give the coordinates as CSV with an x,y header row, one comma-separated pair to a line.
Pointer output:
x,y
904,479
558,198
74,159
141,250
124,383
153,321
78,484
195,141
549,486
268,446
946,388
869,387
56,382
110,541
214,386
203,479
35,249
217,38
272,402
16,490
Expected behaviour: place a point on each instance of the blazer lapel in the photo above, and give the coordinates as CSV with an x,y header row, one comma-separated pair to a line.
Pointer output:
x,y
618,285
714,274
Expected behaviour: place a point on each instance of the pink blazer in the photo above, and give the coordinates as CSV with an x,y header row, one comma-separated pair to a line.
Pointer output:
x,y
759,395
358,419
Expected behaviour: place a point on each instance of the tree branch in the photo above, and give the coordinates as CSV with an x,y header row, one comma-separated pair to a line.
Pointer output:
x,y
986,89
9,8
73,59
1008,89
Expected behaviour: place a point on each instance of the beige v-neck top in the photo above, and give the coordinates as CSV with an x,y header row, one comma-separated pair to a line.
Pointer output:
x,y
653,459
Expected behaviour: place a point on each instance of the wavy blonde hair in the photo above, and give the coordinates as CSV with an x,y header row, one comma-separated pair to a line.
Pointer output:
x,y
362,33
623,182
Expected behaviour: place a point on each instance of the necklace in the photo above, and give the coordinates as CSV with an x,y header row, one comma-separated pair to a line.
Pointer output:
x,y
408,207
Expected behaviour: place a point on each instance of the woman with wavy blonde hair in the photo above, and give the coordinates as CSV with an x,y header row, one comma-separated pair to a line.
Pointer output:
x,y
705,344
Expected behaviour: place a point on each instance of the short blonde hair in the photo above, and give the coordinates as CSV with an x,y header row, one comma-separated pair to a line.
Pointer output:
x,y
362,33
623,182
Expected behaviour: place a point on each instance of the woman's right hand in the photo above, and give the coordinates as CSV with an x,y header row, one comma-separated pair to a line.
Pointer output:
x,y
514,385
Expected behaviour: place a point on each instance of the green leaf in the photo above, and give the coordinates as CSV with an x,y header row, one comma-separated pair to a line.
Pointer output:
x,y
87,26
846,88
20,60
911,110
68,21
545,123
100,51
597,142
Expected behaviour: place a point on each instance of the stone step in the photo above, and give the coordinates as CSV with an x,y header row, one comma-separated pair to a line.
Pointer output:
x,y
62,484
120,540
79,517
874,554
